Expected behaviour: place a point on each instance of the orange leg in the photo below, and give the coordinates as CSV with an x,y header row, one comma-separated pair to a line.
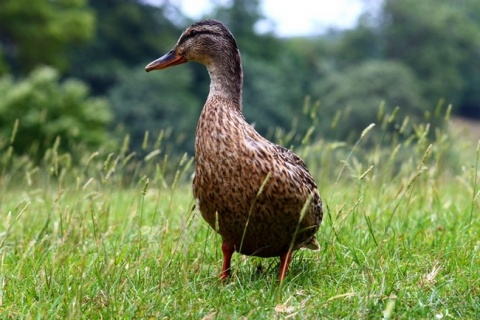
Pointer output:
x,y
285,260
228,251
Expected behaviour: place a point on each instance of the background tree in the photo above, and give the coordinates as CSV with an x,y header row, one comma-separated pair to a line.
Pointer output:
x,y
155,102
129,33
437,39
47,108
274,92
358,45
38,32
243,18
435,48
140,105
355,95
403,52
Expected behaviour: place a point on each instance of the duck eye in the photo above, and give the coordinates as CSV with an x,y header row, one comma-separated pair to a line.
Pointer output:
x,y
193,33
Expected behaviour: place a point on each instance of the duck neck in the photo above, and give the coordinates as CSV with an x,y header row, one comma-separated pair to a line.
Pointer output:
x,y
226,80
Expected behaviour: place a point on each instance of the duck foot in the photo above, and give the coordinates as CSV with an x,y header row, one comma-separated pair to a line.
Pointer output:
x,y
228,251
285,260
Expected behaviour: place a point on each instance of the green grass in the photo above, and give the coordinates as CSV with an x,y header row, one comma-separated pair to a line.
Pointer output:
x,y
111,236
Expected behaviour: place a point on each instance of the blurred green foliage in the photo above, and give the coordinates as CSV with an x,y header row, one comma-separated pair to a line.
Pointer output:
x,y
128,33
34,112
355,95
242,17
156,102
439,45
437,39
403,53
39,32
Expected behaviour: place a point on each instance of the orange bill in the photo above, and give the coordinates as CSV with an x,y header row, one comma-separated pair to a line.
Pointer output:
x,y
170,59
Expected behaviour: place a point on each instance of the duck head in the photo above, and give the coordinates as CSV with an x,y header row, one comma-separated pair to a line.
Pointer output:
x,y
205,42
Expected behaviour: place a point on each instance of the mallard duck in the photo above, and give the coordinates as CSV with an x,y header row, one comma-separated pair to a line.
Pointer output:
x,y
259,196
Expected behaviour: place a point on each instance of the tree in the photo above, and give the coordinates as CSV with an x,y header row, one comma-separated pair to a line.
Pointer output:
x,y
439,40
359,44
144,102
242,18
38,32
128,33
274,93
470,99
155,102
358,92
45,109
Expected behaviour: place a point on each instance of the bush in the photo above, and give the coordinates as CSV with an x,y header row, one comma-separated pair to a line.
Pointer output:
x,y
354,96
156,102
46,109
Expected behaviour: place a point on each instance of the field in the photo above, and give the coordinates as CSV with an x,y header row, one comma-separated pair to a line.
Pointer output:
x,y
113,235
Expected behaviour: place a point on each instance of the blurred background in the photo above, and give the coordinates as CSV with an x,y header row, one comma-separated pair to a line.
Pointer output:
x,y
74,69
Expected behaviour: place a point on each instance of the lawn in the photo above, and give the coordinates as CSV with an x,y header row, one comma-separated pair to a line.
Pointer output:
x,y
113,235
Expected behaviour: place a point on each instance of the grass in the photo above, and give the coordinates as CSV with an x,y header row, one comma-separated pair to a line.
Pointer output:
x,y
111,236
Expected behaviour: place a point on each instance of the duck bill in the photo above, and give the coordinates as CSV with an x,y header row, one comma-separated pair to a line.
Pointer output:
x,y
170,59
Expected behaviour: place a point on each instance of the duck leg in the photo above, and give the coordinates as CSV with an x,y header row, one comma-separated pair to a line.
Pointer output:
x,y
228,251
285,260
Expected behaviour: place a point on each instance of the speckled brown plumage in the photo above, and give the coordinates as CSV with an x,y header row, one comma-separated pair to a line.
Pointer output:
x,y
257,195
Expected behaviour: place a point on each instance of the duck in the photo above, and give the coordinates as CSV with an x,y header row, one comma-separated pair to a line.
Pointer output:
x,y
258,196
